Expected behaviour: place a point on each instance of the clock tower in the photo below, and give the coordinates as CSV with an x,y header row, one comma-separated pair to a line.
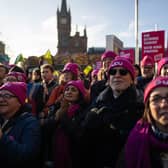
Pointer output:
x,y
64,27
66,42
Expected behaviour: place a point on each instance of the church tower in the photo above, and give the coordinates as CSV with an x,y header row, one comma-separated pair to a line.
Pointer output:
x,y
68,44
64,27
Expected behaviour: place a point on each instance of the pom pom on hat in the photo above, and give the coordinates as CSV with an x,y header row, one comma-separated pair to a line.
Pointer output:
x,y
147,61
19,89
120,61
157,82
161,63
108,54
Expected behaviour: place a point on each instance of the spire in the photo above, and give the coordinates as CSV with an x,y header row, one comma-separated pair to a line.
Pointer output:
x,y
64,6
85,34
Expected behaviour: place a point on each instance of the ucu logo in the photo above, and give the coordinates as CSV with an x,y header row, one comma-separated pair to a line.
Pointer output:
x,y
164,82
118,63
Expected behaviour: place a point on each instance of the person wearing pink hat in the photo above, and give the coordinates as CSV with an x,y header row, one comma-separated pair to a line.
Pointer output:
x,y
162,68
93,77
20,137
110,119
15,77
147,144
147,69
106,59
67,120
69,72
102,75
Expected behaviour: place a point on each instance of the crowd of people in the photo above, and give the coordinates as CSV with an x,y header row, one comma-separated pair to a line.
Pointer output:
x,y
115,117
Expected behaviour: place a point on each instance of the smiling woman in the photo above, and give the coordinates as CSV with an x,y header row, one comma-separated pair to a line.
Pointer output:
x,y
67,123
147,144
19,131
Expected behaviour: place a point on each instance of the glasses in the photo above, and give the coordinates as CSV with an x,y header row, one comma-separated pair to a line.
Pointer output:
x,y
158,99
6,96
122,72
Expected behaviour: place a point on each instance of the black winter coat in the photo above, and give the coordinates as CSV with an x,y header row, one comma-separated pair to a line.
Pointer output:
x,y
107,127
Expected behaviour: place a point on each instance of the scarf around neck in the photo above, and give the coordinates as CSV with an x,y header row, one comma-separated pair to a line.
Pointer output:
x,y
139,145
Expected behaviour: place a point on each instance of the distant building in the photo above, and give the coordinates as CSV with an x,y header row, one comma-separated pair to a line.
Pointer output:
x,y
113,43
96,50
68,44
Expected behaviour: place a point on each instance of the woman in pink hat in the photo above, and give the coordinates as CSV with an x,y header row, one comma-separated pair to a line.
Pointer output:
x,y
67,120
20,134
147,144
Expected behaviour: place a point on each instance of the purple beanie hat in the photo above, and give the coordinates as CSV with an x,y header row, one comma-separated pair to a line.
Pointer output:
x,y
78,84
120,61
72,67
161,63
108,54
19,89
157,82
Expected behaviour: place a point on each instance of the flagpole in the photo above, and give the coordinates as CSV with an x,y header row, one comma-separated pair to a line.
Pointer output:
x,y
136,33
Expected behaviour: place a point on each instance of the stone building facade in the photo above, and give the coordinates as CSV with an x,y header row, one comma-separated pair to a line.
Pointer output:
x,y
68,44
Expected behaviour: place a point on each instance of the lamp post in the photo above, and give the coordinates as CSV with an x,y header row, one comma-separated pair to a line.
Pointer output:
x,y
136,33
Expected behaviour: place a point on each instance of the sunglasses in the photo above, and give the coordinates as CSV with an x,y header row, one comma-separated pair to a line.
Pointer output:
x,y
122,72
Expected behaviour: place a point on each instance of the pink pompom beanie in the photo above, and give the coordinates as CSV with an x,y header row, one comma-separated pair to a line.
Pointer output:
x,y
79,85
21,77
157,82
161,63
120,61
147,61
19,89
108,54
72,67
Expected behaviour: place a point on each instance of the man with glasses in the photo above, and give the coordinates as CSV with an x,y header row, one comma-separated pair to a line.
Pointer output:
x,y
19,130
108,124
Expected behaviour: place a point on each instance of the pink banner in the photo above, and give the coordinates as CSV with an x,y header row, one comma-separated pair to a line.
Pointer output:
x,y
153,44
130,53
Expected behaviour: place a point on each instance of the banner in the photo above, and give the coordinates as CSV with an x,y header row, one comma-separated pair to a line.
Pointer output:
x,y
153,44
130,53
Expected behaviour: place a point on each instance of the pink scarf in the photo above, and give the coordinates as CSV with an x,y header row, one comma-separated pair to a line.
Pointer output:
x,y
139,145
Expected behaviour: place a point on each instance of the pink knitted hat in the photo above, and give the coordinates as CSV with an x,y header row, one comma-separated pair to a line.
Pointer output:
x,y
108,54
94,72
78,84
147,61
72,67
21,77
161,63
19,89
157,82
120,61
